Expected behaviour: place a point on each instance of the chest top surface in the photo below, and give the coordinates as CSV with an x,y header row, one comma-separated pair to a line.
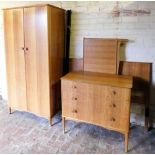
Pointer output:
x,y
100,78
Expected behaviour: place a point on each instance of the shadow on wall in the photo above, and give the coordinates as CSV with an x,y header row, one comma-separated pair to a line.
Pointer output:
x,y
122,52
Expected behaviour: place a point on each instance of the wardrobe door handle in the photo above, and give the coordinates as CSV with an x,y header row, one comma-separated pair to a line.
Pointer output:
x,y
23,48
27,49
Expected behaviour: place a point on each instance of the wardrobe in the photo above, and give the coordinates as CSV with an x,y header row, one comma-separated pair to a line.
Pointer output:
x,y
34,44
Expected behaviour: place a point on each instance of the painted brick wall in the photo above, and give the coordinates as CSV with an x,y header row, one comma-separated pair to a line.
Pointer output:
x,y
95,19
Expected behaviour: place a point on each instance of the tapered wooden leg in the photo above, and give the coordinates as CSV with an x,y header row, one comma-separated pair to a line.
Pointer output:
x,y
126,142
146,124
63,124
9,110
146,118
147,113
50,121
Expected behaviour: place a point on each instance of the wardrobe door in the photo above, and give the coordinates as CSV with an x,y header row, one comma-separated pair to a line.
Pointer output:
x,y
37,64
15,61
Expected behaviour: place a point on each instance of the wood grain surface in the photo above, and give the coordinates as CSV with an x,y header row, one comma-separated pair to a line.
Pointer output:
x,y
100,78
15,61
34,38
97,99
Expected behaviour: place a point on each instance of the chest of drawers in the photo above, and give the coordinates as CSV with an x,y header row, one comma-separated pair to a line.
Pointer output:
x,y
99,99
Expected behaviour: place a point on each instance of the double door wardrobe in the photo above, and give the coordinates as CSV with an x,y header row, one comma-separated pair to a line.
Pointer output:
x,y
34,44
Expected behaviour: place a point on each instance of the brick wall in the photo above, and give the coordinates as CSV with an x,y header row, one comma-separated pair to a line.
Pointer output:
x,y
95,19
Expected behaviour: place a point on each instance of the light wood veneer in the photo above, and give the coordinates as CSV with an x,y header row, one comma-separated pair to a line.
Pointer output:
x,y
34,41
101,54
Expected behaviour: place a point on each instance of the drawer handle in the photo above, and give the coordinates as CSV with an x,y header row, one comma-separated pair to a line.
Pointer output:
x,y
114,92
113,119
74,87
74,98
114,105
74,111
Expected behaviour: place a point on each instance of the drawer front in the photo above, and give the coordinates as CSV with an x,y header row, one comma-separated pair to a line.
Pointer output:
x,y
97,104
118,108
69,98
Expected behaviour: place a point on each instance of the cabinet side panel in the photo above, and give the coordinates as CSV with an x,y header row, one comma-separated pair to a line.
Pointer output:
x,y
67,95
42,60
56,28
14,42
10,60
37,68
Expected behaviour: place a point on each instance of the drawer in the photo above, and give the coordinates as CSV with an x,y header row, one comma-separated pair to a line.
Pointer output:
x,y
69,98
118,122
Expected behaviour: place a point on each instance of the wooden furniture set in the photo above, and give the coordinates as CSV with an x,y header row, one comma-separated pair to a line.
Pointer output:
x,y
98,95
95,98
34,41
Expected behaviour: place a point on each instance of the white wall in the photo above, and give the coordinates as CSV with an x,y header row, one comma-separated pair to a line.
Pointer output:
x,y
94,19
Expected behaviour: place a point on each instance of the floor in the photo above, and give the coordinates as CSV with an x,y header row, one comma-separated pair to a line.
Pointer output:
x,y
23,132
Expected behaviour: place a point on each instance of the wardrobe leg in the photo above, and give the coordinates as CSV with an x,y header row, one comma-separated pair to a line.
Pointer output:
x,y
10,110
126,142
50,121
146,124
63,124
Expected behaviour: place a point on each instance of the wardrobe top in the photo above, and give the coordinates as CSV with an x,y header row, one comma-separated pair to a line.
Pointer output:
x,y
36,5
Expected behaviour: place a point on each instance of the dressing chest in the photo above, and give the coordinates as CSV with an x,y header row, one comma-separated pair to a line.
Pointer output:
x,y
99,99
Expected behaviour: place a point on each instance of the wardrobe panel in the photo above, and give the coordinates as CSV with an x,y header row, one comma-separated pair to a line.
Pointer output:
x,y
15,61
42,60
37,69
